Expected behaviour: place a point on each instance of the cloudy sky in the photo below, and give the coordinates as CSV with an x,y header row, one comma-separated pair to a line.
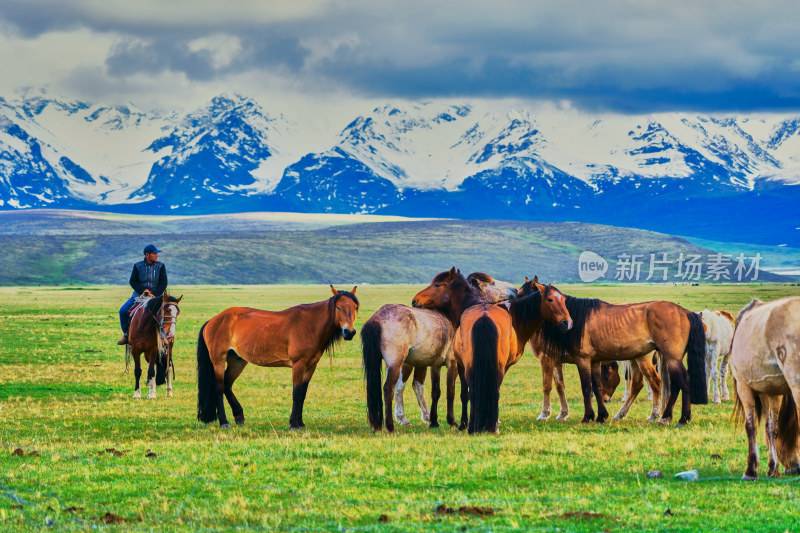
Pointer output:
x,y
622,55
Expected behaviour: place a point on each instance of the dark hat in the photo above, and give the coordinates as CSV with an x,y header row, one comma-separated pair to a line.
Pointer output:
x,y
151,249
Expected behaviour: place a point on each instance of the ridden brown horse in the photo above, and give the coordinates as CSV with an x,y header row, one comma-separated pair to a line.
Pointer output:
x,y
152,333
489,339
295,337
620,332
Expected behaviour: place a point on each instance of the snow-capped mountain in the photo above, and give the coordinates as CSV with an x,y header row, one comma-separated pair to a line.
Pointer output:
x,y
674,172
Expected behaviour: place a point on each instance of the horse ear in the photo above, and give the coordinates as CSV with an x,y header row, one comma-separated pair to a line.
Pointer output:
x,y
334,291
180,298
527,280
535,280
354,289
453,271
165,296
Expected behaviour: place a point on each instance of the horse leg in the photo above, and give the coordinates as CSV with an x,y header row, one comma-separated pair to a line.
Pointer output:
x,y
235,366
547,385
627,366
452,372
399,406
392,375
748,400
436,392
558,373
644,367
723,376
151,376
418,384
770,406
585,373
597,385
673,368
714,373
633,386
137,373
301,376
462,373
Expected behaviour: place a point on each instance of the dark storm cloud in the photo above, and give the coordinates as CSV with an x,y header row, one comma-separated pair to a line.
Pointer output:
x,y
616,54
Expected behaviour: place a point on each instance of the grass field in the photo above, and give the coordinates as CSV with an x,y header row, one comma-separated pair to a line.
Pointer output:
x,y
92,457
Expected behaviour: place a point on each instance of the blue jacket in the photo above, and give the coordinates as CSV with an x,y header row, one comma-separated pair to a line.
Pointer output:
x,y
151,276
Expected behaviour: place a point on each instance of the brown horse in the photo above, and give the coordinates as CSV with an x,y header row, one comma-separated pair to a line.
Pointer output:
x,y
610,332
295,337
489,339
152,333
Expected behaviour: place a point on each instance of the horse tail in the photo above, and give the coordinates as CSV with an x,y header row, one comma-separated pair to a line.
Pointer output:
x,y
788,429
484,390
206,382
737,415
372,357
666,380
161,367
696,348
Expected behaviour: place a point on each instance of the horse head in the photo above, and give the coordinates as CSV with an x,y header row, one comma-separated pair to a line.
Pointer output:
x,y
609,375
168,316
345,311
553,305
493,290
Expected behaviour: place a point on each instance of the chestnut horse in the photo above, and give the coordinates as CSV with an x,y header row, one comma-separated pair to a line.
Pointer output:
x,y
621,332
765,362
409,341
295,337
152,333
554,372
489,339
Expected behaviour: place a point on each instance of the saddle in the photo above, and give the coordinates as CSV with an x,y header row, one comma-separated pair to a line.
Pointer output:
x,y
138,303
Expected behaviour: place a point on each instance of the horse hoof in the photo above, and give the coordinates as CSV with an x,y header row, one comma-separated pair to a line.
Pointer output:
x,y
426,418
151,396
543,416
716,399
406,421
652,417
749,478
239,421
462,427
434,425
225,426
137,395
562,416
664,421
169,394
618,417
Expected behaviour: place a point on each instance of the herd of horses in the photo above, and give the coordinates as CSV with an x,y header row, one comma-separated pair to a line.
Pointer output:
x,y
477,327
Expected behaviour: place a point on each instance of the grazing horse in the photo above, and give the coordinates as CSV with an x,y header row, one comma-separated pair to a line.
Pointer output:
x,y
719,326
765,361
611,332
493,291
152,333
488,339
295,337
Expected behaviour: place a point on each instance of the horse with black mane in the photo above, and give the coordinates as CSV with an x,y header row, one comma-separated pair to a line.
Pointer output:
x,y
619,332
295,337
152,333
489,338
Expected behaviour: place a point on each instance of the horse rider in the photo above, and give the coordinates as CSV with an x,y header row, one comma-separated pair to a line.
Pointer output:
x,y
149,278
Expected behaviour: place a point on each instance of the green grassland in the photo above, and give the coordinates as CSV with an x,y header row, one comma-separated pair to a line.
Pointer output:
x,y
95,458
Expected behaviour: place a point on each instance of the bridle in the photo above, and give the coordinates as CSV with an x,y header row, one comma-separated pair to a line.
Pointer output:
x,y
172,321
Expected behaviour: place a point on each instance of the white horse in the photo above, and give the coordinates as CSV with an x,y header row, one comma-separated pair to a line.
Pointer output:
x,y
719,327
765,361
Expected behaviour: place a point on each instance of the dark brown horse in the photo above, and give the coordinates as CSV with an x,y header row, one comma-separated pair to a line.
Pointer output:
x,y
489,339
152,333
609,332
295,337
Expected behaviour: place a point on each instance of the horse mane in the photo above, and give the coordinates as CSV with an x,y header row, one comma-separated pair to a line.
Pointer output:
x,y
527,308
479,276
747,308
556,343
330,345
153,305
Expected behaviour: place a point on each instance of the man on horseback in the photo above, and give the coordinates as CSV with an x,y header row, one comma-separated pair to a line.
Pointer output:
x,y
149,278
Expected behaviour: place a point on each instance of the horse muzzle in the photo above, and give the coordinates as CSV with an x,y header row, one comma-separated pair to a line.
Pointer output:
x,y
348,334
414,303
565,325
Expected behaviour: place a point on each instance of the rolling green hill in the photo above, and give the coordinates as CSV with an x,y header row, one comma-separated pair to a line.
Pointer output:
x,y
62,247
